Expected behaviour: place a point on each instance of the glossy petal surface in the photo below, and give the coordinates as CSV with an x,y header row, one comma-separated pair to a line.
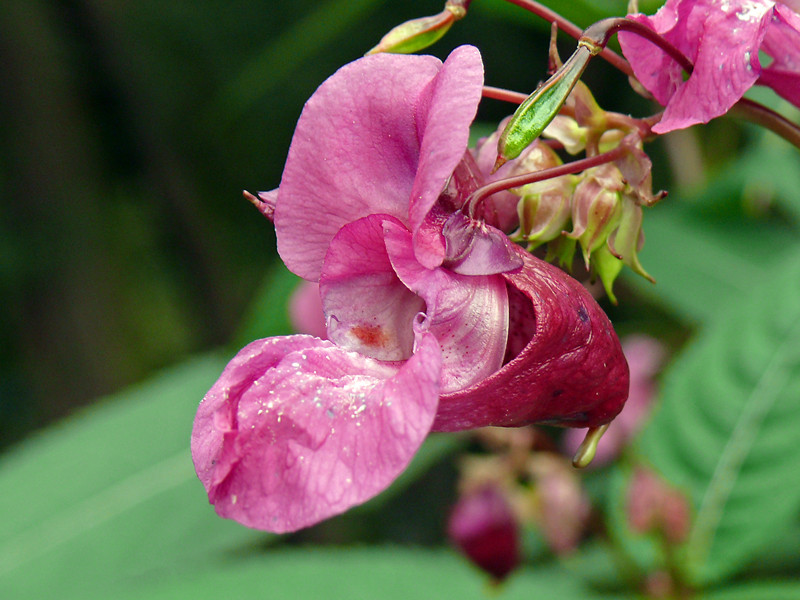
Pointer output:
x,y
722,39
297,430
367,308
468,315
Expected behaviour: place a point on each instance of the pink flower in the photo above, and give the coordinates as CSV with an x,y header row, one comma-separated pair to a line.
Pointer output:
x,y
484,528
436,322
723,38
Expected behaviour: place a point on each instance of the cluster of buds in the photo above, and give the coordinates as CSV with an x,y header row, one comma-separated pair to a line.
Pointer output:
x,y
599,209
519,486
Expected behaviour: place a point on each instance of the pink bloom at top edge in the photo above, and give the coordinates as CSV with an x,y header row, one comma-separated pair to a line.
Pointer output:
x,y
436,322
723,38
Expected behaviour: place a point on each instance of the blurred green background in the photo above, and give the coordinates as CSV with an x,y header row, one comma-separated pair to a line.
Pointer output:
x,y
131,269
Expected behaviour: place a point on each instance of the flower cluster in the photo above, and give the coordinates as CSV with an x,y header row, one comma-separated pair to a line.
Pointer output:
x,y
435,320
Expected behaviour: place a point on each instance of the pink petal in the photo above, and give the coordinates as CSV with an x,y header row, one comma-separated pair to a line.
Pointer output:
x,y
782,43
467,314
571,372
474,248
305,310
445,113
368,309
722,40
355,152
297,430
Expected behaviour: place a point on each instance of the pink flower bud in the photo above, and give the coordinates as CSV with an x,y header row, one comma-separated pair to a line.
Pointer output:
x,y
654,506
484,528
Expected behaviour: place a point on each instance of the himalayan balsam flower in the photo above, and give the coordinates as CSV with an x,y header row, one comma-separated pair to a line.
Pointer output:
x,y
435,321
723,38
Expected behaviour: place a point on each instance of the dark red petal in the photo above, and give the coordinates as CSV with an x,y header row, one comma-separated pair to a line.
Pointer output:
x,y
572,372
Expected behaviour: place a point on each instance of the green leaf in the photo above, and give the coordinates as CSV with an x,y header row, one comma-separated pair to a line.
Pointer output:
x,y
111,493
359,573
726,431
767,590
268,314
703,258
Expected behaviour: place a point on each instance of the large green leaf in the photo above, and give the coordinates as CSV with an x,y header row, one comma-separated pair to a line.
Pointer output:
x,y
727,428
359,574
111,493
110,496
704,255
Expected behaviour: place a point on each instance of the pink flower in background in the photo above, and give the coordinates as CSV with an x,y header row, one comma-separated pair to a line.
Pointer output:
x,y
723,38
483,526
305,310
435,321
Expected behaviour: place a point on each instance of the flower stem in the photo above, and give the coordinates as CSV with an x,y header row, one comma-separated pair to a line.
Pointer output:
x,y
478,196
599,33
505,95
572,30
769,119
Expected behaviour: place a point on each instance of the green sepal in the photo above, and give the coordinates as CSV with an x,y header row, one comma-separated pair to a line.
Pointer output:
x,y
533,115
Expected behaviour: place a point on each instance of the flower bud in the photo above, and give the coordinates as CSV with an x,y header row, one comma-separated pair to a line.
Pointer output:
x,y
484,528
545,207
563,506
627,239
417,34
596,208
654,506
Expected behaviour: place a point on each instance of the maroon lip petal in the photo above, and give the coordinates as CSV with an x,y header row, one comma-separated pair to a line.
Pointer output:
x,y
571,372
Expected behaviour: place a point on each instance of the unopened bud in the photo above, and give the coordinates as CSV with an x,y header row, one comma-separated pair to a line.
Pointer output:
x,y
545,207
654,506
484,528
596,208
627,240
417,34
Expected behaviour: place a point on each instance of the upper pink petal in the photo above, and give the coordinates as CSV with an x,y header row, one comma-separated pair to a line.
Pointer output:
x,y
446,111
355,152
297,430
723,41
571,371
381,135
782,43
368,309
467,314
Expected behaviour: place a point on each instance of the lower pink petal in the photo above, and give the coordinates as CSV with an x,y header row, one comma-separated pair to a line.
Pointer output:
x,y
368,309
297,430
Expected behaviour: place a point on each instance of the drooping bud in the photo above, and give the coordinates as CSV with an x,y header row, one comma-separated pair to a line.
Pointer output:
x,y
596,208
418,34
484,528
563,508
545,207
627,240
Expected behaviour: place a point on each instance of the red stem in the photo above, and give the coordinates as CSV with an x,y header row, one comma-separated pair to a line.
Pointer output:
x,y
505,95
478,196
572,30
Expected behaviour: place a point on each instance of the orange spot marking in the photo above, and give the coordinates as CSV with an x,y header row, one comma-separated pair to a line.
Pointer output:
x,y
370,335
